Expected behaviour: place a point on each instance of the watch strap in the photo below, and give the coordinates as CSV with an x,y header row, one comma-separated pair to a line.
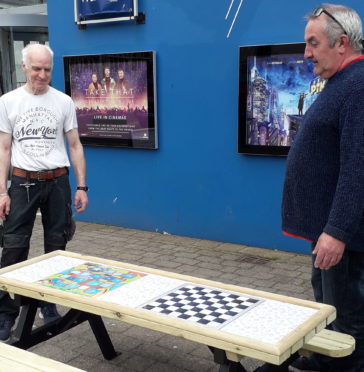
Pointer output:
x,y
83,188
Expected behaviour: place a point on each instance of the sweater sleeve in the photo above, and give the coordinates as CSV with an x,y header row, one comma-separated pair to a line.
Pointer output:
x,y
347,209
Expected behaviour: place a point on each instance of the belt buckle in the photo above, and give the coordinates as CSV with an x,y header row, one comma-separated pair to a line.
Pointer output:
x,y
39,175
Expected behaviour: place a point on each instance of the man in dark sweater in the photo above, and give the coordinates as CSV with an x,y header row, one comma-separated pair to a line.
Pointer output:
x,y
323,197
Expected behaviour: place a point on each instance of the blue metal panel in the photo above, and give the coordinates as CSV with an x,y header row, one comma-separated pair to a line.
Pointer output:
x,y
195,184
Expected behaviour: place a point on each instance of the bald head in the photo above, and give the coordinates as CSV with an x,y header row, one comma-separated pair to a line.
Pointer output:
x,y
35,49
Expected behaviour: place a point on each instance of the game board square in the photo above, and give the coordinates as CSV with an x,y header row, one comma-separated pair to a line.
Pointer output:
x,y
206,312
183,316
220,320
231,313
242,307
190,313
181,311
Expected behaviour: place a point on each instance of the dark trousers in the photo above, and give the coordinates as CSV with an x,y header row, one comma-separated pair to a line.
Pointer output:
x,y
343,287
53,198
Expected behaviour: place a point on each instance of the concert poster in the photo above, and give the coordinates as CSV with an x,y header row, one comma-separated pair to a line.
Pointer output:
x,y
114,98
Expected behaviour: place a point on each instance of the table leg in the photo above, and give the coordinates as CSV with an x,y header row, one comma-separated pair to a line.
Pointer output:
x,y
281,368
226,365
102,337
24,327
25,336
232,367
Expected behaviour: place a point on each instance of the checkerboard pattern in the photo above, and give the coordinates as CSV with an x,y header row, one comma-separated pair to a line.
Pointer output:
x,y
202,305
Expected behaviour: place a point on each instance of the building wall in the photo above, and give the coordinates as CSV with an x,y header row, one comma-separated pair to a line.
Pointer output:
x,y
195,184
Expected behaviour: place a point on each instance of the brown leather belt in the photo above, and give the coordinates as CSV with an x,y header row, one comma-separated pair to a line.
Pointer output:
x,y
43,175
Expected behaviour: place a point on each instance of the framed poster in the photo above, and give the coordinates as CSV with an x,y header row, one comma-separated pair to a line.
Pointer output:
x,y
276,87
115,98
96,11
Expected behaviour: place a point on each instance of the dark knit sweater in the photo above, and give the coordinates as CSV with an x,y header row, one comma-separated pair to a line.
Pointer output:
x,y
324,184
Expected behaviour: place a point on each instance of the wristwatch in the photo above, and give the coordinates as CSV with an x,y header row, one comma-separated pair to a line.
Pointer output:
x,y
83,188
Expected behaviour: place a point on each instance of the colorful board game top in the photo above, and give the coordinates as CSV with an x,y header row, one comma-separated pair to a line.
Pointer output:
x,y
90,279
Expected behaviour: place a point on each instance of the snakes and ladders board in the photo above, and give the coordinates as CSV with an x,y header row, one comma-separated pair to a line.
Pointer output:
x,y
90,279
203,305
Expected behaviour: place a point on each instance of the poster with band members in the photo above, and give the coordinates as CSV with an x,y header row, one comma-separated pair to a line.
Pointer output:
x,y
114,95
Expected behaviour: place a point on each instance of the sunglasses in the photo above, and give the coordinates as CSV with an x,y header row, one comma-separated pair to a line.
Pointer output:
x,y
318,11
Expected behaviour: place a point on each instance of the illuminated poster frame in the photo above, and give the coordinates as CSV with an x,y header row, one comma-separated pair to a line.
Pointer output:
x,y
276,87
115,98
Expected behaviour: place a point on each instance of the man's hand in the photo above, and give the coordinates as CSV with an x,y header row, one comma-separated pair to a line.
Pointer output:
x,y
4,206
329,251
81,201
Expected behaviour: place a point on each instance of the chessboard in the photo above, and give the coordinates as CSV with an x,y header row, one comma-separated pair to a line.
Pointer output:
x,y
202,305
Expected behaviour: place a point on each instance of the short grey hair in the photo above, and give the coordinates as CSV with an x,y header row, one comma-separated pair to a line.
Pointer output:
x,y
350,21
33,48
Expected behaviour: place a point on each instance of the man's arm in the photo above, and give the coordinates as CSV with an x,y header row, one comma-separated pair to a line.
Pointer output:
x,y
347,206
5,154
79,167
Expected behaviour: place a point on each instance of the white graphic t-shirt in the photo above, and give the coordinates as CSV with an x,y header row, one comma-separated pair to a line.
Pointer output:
x,y
38,124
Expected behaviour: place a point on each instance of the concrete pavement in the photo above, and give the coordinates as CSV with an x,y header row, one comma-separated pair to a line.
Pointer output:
x,y
151,351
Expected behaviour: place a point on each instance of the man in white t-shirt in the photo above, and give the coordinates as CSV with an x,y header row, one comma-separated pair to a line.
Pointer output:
x,y
35,121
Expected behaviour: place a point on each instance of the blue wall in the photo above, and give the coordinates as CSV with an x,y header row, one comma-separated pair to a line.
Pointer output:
x,y
195,184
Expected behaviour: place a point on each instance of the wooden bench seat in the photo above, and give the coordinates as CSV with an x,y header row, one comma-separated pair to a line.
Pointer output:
x,y
326,342
17,360
330,343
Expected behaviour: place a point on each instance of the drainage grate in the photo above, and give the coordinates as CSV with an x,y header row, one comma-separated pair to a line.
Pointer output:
x,y
255,259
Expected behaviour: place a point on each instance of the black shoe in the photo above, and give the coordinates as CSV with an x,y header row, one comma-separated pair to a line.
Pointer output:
x,y
5,328
48,312
303,364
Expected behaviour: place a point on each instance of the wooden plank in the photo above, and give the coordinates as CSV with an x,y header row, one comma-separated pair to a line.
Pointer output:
x,y
331,343
17,360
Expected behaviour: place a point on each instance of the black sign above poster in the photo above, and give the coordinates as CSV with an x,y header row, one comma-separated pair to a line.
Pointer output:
x,y
94,11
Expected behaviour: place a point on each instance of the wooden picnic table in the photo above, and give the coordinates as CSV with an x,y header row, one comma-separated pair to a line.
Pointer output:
x,y
232,321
